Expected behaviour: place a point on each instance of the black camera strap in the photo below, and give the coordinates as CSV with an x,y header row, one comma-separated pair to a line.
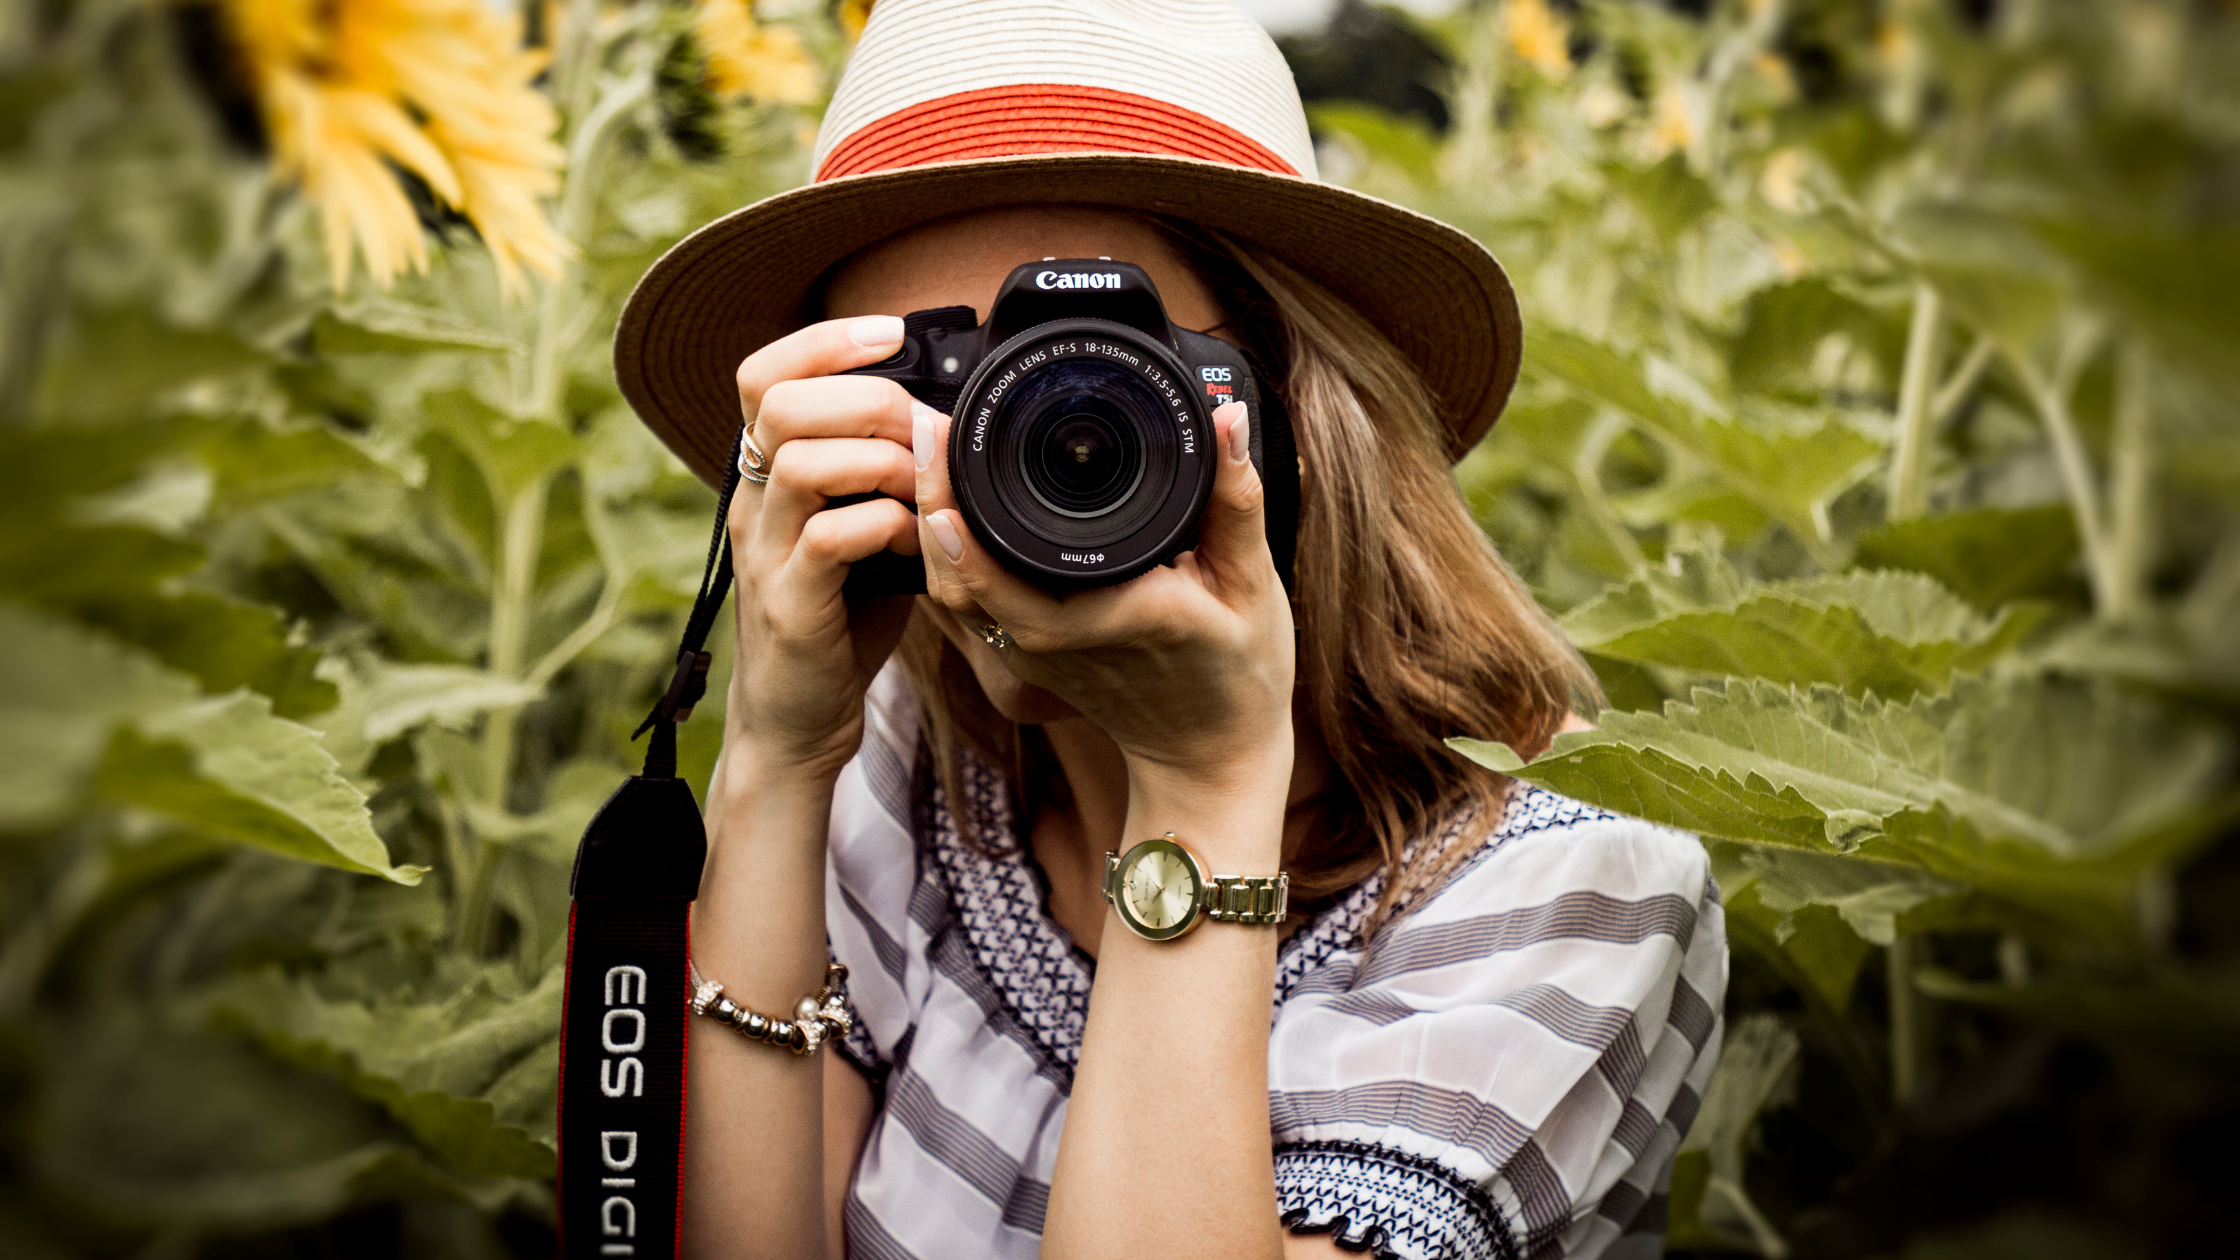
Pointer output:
x,y
624,1023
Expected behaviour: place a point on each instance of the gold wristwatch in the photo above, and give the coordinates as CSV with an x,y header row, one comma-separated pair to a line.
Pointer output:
x,y
1161,890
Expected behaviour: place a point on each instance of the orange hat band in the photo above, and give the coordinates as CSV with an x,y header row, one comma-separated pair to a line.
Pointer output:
x,y
1041,118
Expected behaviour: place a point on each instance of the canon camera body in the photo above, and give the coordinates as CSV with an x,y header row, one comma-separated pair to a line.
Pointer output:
x,y
1081,441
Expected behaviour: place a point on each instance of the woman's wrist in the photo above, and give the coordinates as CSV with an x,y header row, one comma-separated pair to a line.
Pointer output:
x,y
1230,808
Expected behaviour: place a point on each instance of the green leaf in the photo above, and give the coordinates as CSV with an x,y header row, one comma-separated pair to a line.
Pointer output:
x,y
1792,469
428,1063
2175,287
62,691
229,768
67,565
1403,141
403,696
253,462
1811,945
2054,795
224,643
1869,897
112,361
513,454
371,324
152,1125
1894,634
1669,196
1782,327
1988,555
1996,275
2191,1016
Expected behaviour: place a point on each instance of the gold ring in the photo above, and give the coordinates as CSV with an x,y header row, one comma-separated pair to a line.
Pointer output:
x,y
995,636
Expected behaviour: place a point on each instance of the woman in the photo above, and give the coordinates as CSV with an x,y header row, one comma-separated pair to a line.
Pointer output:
x,y
1482,1027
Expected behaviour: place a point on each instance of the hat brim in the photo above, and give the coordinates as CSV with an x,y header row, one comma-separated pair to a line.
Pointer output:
x,y
740,282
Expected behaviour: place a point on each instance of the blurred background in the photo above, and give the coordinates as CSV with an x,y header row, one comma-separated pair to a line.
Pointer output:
x,y
1876,440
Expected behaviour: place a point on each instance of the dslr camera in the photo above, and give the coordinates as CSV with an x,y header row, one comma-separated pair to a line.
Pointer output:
x,y
1081,440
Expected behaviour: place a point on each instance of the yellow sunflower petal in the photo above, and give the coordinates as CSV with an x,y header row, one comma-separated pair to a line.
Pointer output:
x,y
752,59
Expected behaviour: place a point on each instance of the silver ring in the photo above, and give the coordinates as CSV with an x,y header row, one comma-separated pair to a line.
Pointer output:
x,y
754,465
995,636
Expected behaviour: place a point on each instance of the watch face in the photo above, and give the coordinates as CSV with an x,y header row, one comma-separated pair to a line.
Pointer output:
x,y
1159,887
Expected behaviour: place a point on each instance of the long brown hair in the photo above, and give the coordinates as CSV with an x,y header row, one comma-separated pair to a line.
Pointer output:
x,y
1411,629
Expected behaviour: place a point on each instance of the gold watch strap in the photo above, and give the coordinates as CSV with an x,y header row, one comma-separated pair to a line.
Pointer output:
x,y
1255,900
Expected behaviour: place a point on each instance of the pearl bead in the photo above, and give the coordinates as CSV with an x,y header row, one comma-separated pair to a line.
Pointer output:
x,y
805,1009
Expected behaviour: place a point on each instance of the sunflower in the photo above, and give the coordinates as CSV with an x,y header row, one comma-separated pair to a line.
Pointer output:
x,y
1537,35
747,57
354,91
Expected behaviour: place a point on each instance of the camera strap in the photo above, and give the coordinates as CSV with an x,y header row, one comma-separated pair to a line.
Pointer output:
x,y
624,1022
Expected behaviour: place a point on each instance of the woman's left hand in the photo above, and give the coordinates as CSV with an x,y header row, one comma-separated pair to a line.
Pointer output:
x,y
1188,667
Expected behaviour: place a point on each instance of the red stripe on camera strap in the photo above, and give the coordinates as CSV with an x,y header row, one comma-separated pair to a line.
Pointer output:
x,y
624,1024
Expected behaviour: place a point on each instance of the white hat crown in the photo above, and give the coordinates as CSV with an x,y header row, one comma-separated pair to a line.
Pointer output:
x,y
955,80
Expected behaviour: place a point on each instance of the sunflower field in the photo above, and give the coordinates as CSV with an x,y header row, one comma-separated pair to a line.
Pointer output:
x,y
1879,441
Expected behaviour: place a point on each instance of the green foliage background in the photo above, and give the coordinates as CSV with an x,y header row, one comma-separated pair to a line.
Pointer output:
x,y
1877,441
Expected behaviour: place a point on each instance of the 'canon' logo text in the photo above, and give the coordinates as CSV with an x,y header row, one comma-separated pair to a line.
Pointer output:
x,y
1077,280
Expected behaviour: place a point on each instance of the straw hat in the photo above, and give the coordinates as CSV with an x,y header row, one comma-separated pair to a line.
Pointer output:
x,y
1172,107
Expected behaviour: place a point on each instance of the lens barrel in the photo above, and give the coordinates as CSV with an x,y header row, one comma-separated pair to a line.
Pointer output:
x,y
1080,455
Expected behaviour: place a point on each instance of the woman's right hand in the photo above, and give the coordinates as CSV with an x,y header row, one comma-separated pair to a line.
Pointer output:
x,y
805,658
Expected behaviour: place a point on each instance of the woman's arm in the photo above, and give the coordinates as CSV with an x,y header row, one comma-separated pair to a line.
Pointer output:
x,y
755,1138
1190,670
1166,1146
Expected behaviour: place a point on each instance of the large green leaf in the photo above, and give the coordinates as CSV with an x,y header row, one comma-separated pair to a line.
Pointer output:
x,y
1988,555
2176,287
511,452
225,643
2053,795
62,692
1792,466
115,360
1894,634
228,768
430,1064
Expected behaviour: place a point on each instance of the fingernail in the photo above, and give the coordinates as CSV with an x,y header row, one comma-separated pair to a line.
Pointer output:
x,y
1240,437
945,533
921,432
876,330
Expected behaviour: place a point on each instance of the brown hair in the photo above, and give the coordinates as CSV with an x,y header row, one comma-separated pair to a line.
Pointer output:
x,y
1411,629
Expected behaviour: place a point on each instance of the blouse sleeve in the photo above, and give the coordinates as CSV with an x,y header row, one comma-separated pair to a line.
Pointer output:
x,y
1508,1070
871,880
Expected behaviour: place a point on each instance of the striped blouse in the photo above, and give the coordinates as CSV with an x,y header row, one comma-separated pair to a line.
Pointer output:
x,y
1506,1071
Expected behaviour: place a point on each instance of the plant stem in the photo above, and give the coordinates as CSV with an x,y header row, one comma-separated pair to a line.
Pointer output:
x,y
2051,397
1908,1045
2131,472
519,546
1586,470
1917,418
557,327
1955,389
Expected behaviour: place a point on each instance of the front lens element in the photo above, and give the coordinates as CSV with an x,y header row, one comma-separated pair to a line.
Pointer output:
x,y
1082,462
1086,451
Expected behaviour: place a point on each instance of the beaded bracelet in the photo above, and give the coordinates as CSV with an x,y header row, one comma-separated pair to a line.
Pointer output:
x,y
817,1018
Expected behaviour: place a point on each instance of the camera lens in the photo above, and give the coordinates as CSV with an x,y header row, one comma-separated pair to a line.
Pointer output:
x,y
1083,436
1078,455
1081,462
